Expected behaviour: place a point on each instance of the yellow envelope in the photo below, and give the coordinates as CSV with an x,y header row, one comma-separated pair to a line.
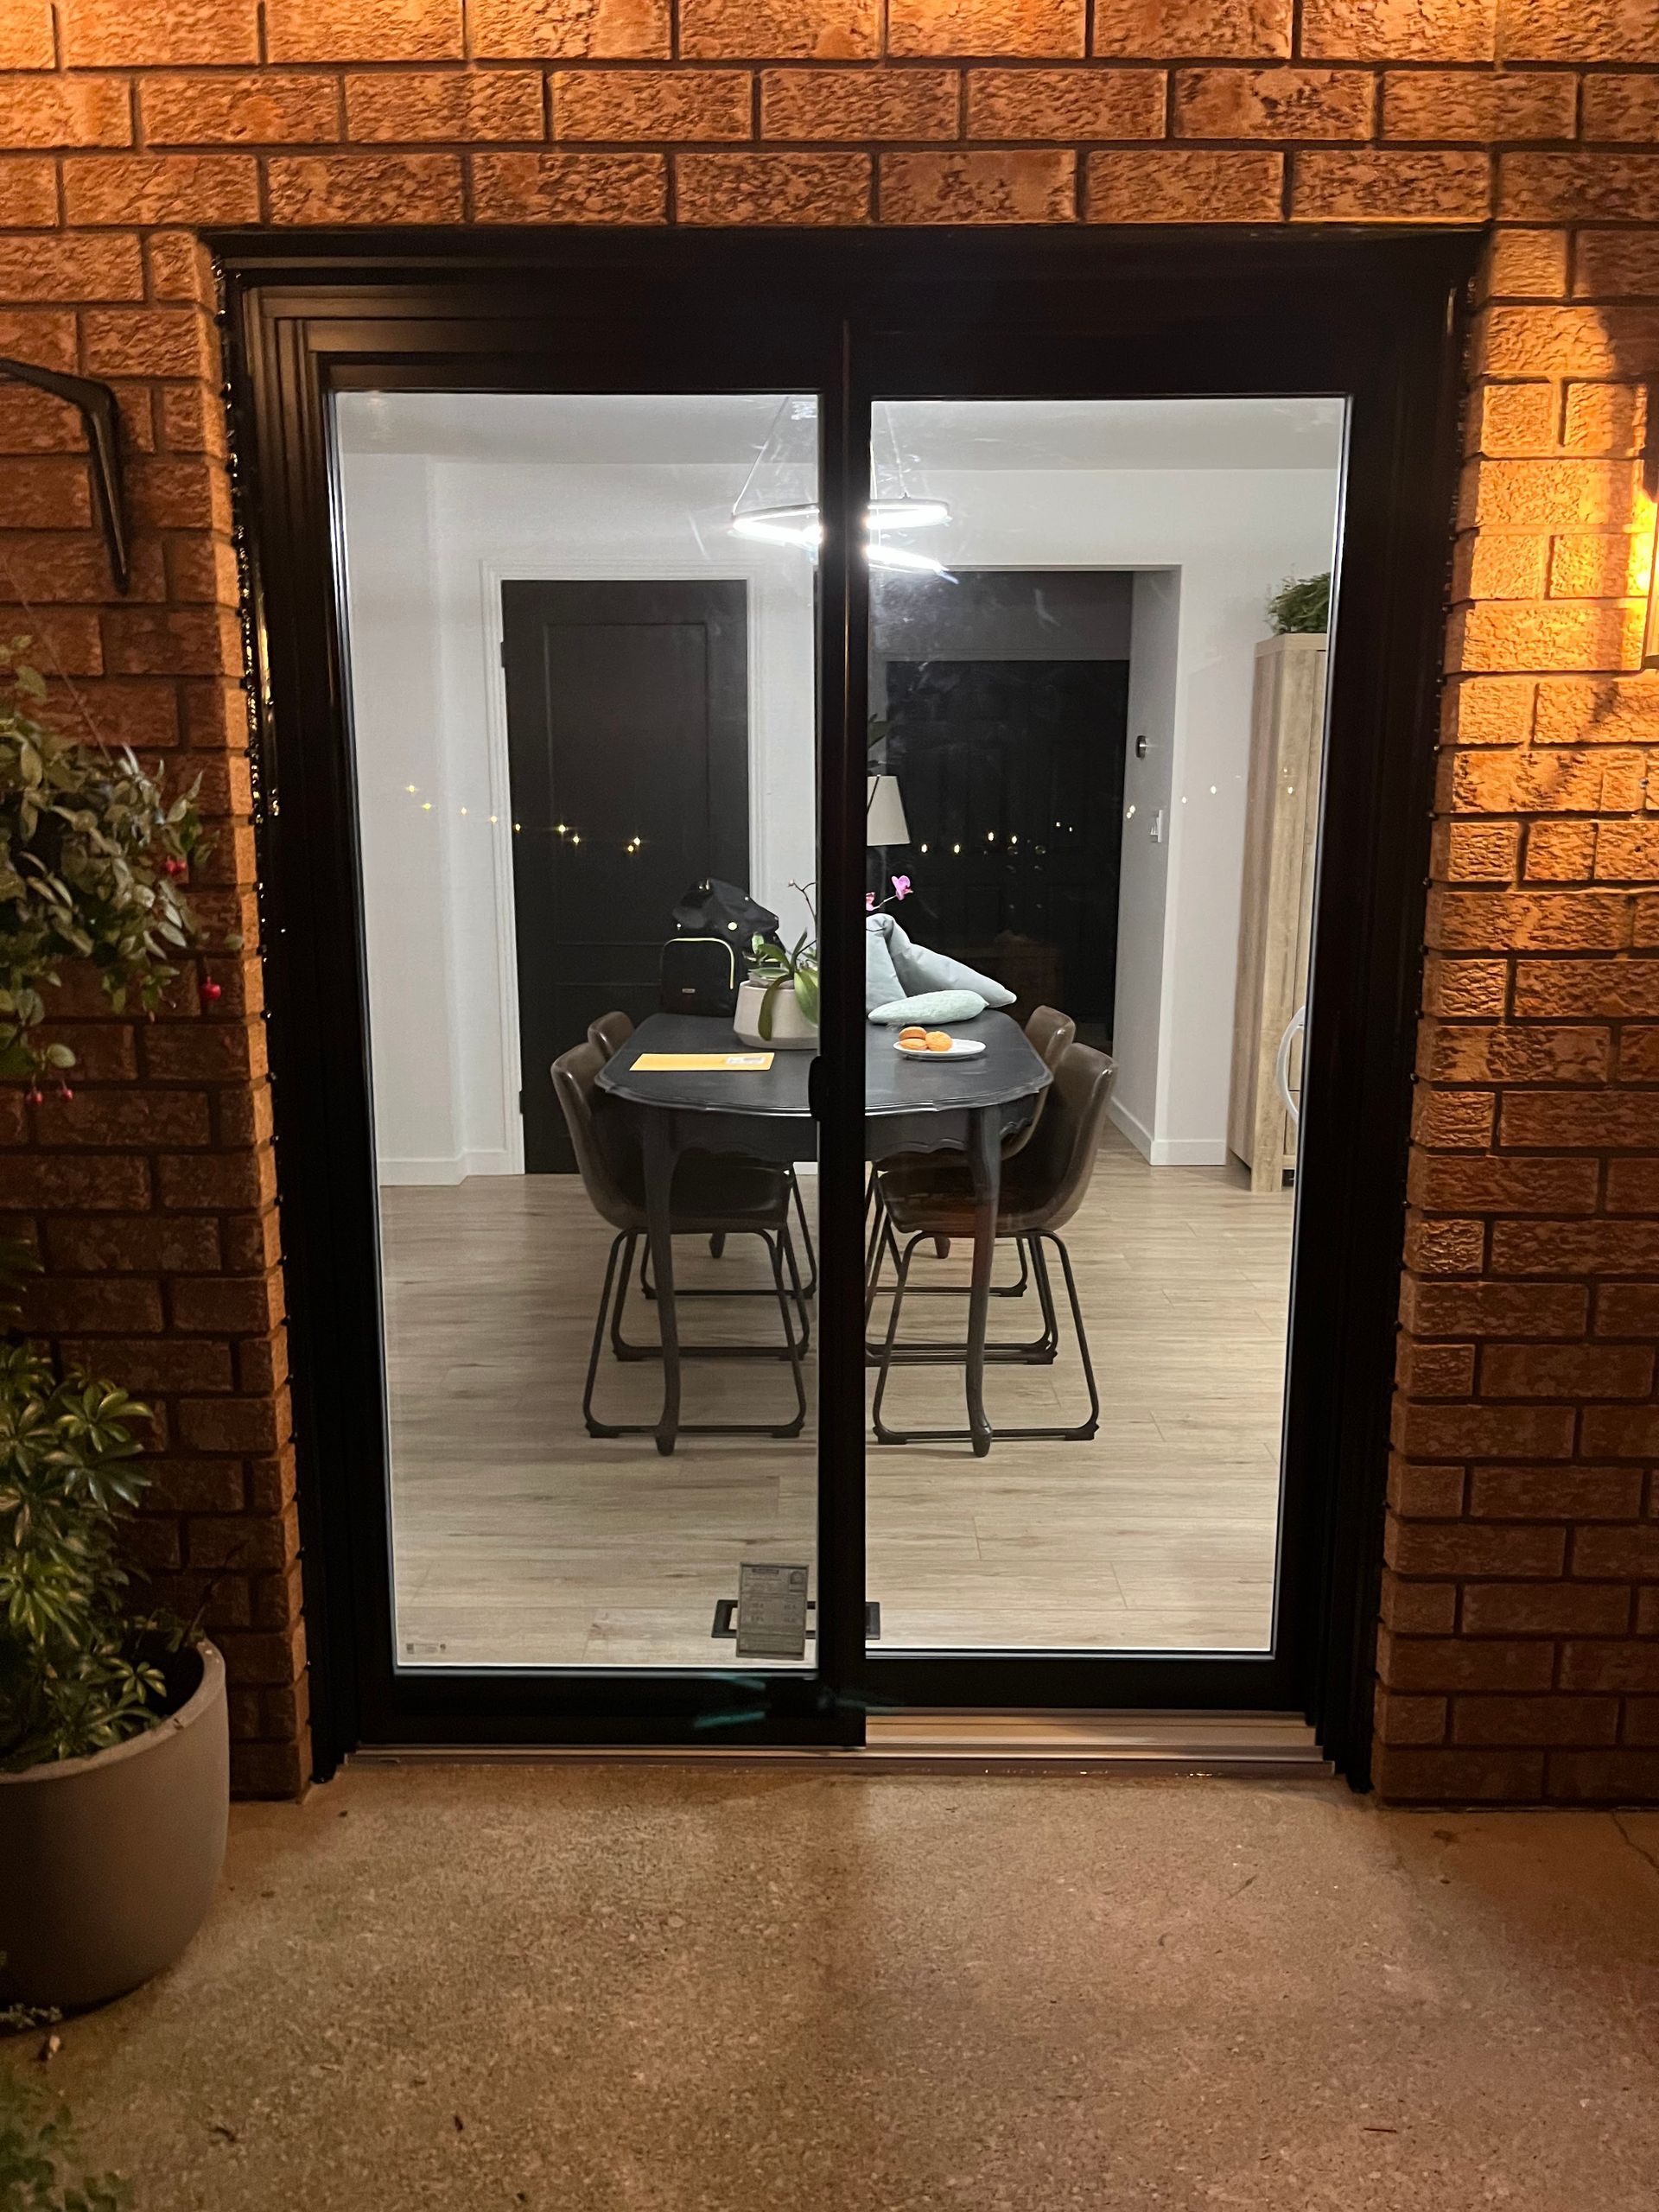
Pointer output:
x,y
661,1062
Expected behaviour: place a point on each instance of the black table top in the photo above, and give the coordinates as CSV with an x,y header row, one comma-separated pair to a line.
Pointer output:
x,y
895,1082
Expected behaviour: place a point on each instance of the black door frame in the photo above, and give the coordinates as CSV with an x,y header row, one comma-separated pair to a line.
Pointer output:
x,y
854,316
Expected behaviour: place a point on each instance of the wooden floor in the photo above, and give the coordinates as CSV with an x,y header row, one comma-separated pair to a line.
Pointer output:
x,y
520,1540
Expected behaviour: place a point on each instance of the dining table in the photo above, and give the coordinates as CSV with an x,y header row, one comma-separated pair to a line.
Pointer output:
x,y
912,1103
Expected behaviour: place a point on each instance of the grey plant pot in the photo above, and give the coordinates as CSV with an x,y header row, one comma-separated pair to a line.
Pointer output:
x,y
108,1864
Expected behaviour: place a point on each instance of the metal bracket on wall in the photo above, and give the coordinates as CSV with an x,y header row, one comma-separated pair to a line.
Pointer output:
x,y
95,402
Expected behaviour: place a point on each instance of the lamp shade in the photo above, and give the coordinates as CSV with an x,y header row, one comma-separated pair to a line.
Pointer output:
x,y
884,812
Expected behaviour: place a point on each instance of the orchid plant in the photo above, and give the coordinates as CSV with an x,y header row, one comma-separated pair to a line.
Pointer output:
x,y
900,890
770,965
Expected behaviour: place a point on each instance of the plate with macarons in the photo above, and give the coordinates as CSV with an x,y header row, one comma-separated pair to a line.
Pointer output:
x,y
935,1044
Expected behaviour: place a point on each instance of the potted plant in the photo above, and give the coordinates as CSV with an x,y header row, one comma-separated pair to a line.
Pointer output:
x,y
114,1760
778,1003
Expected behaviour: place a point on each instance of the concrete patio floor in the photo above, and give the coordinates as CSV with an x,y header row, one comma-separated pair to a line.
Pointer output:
x,y
654,1989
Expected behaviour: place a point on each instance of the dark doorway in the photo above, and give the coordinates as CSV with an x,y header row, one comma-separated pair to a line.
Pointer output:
x,y
628,743
1013,777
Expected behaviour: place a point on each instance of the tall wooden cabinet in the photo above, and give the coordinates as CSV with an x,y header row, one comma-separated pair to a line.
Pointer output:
x,y
1277,914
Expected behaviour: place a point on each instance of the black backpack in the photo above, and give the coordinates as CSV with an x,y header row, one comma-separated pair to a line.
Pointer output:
x,y
715,925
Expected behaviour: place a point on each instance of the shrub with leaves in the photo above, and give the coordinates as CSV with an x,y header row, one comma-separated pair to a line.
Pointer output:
x,y
37,2153
76,1667
1300,606
92,859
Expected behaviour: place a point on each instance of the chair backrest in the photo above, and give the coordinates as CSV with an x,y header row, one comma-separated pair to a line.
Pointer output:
x,y
1048,1033
576,1076
610,1032
1055,1175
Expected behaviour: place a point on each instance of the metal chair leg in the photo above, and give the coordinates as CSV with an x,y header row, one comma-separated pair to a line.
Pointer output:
x,y
807,1248
624,1349
1039,1351
776,1246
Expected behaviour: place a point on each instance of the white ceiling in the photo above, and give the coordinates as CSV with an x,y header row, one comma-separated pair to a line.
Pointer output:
x,y
524,428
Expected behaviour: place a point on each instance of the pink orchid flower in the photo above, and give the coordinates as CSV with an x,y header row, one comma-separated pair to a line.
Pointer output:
x,y
869,902
901,886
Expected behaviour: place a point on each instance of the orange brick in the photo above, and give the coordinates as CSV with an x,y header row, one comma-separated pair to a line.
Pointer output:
x,y
1456,1053
1090,103
1595,30
781,30
1542,638
28,194
1445,1185
1628,1309
152,341
1560,852
1611,264
26,35
1527,265
1611,990
1409,1719
1638,1062
1274,102
1452,1120
1544,1609
1599,565
1619,1433
1431,1371
180,268
858,103
1399,31
1590,1119
1384,185
1418,1608
1193,30
1497,565
1477,852
1534,921
1184,184
38,335
1489,710
269,109
364,30
1404,1776
1412,1662
117,35
1567,1371
64,111
1445,1247
192,188
1482,1433
1447,1309
1538,781
447,105
1577,188
1024,186
569,187
1570,341
1606,418
1452,103
989,27
658,104
570,30
1553,1721
1598,710
365,189
1617,107
772,187
1470,989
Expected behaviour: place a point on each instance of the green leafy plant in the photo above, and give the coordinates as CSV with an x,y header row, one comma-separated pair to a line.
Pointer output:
x,y
79,1670
92,859
1300,606
770,964
37,2158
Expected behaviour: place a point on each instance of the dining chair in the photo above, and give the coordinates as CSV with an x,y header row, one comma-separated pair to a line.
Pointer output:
x,y
1048,1031
610,1032
1041,1191
713,1194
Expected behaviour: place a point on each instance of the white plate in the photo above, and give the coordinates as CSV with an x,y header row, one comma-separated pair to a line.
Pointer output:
x,y
962,1048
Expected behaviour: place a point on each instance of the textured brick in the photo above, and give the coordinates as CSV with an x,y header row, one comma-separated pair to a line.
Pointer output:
x,y
1400,30
1606,418
1466,1547
1448,1663
1570,341
1274,102
1564,1247
1547,637
1622,1432
1569,1119
781,30
1549,1720
1431,1371
1390,186
623,104
1552,1493
1184,184
268,109
118,34
1445,1247
1514,1055
1484,1432
1611,990
1599,1778
1619,107
364,30
989,27
1615,265
26,40
1545,1608
1453,103
1402,1775
772,187
1566,1372
64,111
1592,30
1418,1608
28,194
1466,990
1194,30
1089,103
1021,186
1620,1667
1583,565
365,189
1628,852
159,341
1489,565
570,30
1638,1055
1627,1309
1503,1185
1633,1183
859,104
422,103
1577,188
1452,1120
195,189
1410,1719
569,187
1559,852
1527,265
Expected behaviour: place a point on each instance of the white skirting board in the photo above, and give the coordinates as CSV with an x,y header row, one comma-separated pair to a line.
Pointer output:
x,y
1168,1152
453,1170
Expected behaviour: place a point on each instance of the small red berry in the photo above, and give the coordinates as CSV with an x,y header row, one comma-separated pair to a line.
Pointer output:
x,y
34,1096
211,993
65,1093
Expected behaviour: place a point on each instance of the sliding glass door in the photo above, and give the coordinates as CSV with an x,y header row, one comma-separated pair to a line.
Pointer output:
x,y
802,918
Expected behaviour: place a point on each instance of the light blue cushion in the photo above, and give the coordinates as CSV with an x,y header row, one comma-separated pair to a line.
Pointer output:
x,y
932,1006
920,970
880,977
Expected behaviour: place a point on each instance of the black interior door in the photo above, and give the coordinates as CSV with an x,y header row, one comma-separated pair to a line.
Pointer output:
x,y
628,742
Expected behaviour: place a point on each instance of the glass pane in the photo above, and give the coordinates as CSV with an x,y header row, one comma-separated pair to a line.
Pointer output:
x,y
582,646
1096,721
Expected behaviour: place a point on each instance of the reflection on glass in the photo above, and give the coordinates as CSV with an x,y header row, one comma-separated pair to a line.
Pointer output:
x,y
1096,719
583,709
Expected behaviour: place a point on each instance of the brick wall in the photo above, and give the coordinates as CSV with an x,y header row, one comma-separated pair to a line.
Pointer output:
x,y
1519,1650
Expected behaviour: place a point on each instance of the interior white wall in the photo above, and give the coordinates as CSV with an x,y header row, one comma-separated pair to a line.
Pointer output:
x,y
1143,887
1233,535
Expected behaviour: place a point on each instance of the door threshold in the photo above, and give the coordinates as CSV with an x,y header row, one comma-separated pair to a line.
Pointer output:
x,y
1263,1746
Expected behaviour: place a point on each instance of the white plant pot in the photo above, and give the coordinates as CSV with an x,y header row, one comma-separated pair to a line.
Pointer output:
x,y
791,1030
